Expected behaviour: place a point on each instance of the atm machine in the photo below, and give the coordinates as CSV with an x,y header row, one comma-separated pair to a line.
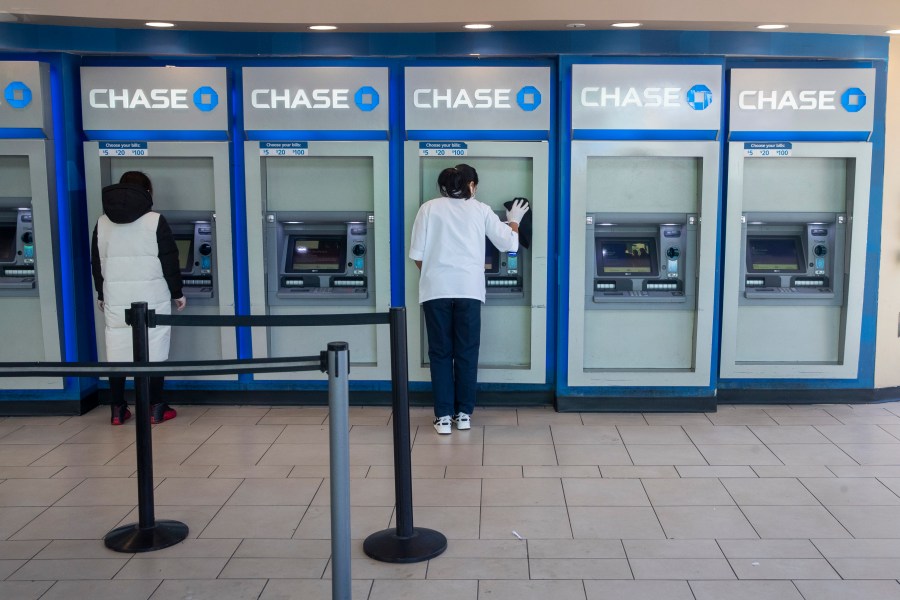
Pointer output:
x,y
643,214
318,217
190,184
795,240
31,310
514,316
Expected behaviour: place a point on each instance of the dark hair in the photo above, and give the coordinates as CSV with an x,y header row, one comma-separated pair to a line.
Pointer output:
x,y
454,181
137,178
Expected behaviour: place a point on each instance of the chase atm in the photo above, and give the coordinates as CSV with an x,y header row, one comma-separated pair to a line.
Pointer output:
x,y
643,225
795,237
318,209
497,120
181,144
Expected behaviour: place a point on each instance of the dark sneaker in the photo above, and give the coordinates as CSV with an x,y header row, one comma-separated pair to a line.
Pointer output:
x,y
120,414
161,412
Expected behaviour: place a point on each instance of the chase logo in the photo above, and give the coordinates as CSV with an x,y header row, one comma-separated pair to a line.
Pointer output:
x,y
528,98
206,98
366,98
853,100
17,94
699,97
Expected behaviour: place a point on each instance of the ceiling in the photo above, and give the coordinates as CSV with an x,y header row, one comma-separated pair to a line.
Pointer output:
x,y
869,17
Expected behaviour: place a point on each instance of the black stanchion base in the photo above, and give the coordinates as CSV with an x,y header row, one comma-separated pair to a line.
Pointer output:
x,y
131,538
387,546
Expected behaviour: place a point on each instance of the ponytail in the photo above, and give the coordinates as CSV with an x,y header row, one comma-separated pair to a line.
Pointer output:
x,y
453,182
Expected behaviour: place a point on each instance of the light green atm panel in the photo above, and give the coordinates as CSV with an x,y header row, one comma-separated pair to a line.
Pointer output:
x,y
31,318
794,336
513,331
334,177
190,180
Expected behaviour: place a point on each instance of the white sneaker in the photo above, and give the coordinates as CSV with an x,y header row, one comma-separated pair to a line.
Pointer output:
x,y
463,421
443,425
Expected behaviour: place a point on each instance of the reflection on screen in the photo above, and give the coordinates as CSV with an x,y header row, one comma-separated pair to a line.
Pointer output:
x,y
7,243
185,252
623,256
316,254
491,257
774,253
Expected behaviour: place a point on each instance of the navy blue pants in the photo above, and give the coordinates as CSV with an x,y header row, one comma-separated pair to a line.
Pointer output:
x,y
454,338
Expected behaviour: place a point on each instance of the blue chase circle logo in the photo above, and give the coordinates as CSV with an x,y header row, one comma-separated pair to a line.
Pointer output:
x,y
206,98
366,98
17,94
853,100
528,98
699,97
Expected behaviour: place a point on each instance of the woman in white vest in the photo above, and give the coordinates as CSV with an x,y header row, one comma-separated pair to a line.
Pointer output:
x,y
134,258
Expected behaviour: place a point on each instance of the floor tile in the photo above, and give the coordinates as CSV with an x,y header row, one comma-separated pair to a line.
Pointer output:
x,y
68,523
738,454
681,568
210,590
796,471
492,548
677,419
580,471
687,492
721,434
254,522
71,568
745,590
794,522
312,589
852,492
533,434
593,454
522,492
478,568
65,549
34,492
849,590
770,492
269,548
229,454
871,522
605,492
638,472
770,548
653,434
704,522
11,550
512,454
316,522
867,568
579,568
200,492
857,434
251,472
195,548
452,455
575,549
445,590
585,434
274,492
529,522
483,472
274,568
672,549
671,454
238,434
873,454
783,568
716,471
455,522
614,522
172,568
858,548
32,590
638,590
811,454
797,434
613,419
530,590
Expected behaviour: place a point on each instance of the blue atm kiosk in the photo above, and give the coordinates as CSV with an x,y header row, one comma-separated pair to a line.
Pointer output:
x,y
799,171
643,216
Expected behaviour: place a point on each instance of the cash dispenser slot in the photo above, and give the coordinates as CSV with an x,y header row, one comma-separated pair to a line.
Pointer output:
x,y
17,266
196,254
633,262
792,261
317,259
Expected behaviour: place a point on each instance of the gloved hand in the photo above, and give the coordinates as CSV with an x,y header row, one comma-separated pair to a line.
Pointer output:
x,y
518,210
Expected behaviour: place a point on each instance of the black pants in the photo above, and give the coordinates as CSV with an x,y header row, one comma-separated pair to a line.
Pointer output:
x,y
117,390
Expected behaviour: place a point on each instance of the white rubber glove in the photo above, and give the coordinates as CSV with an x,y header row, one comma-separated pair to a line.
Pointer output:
x,y
518,210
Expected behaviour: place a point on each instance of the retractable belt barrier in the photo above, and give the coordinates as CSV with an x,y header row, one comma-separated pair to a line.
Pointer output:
x,y
404,544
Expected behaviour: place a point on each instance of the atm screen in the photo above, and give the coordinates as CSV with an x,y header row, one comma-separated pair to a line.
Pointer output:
x,y
766,254
7,242
491,257
626,256
316,254
185,246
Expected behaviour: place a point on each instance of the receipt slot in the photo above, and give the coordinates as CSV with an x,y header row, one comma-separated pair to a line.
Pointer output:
x,y
191,190
514,316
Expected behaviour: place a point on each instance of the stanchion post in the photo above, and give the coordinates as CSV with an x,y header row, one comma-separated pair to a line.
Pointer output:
x,y
339,451
406,543
148,533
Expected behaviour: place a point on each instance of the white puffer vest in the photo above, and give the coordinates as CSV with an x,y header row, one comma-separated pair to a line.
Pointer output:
x,y
129,260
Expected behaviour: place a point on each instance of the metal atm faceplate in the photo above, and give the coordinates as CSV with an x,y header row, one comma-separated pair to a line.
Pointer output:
x,y
17,252
197,255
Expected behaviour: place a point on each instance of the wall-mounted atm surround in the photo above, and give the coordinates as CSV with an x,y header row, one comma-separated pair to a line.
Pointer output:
x,y
515,106
318,209
643,228
190,181
30,305
795,238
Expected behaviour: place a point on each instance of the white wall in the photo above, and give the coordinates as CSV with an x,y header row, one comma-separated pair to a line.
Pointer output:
x,y
887,354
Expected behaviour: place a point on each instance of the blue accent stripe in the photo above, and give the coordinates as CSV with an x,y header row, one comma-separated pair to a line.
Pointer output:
x,y
22,133
158,136
479,135
645,134
338,136
799,136
239,221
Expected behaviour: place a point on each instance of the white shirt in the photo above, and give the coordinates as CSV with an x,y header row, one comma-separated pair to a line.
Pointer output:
x,y
448,237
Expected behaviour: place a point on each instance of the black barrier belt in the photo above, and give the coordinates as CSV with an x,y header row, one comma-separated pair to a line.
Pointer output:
x,y
194,367
265,320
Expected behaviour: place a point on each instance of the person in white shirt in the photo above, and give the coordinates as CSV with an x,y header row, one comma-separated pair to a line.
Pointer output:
x,y
448,247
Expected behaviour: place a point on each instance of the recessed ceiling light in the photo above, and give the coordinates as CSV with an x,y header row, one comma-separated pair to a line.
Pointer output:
x,y
576,25
773,26
159,24
474,54
322,27
478,26
893,32
626,25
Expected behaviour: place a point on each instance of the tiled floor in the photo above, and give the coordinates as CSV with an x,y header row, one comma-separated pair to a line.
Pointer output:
x,y
761,502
